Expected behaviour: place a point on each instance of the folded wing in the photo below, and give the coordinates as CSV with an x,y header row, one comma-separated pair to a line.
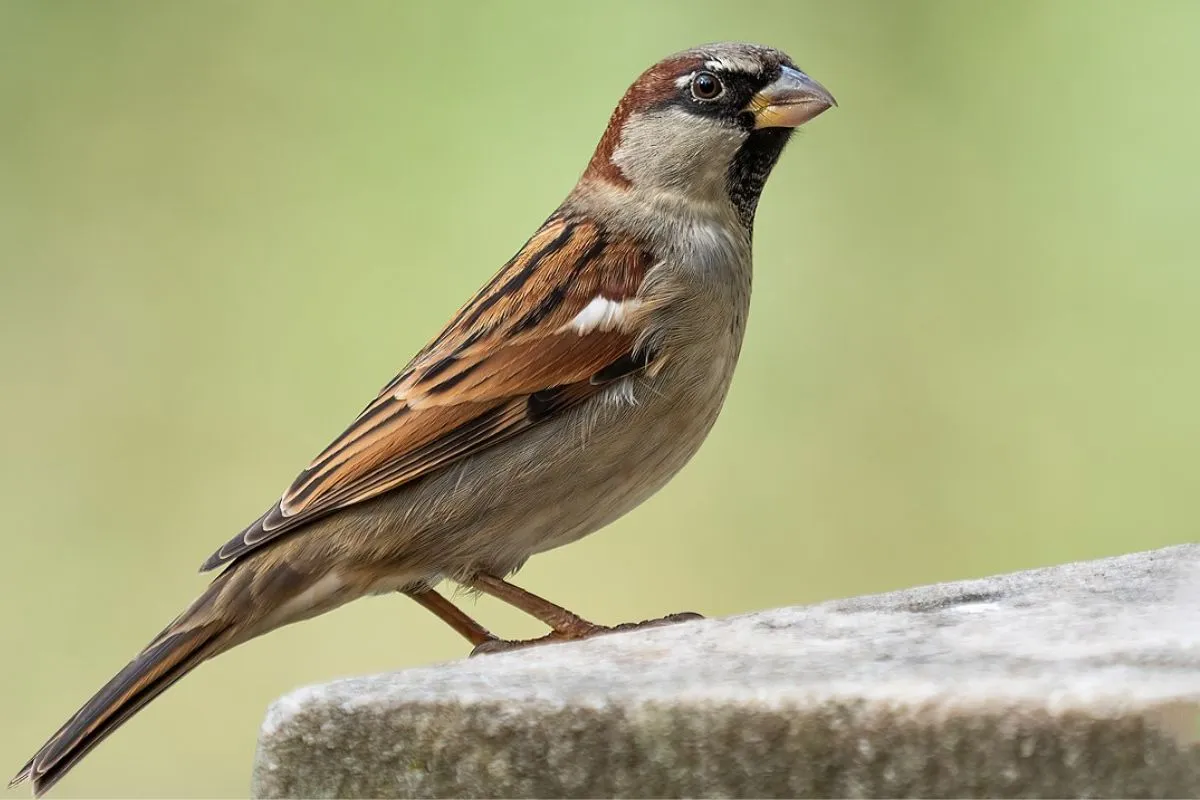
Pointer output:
x,y
558,322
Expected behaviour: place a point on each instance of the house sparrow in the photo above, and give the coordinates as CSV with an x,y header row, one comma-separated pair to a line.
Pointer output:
x,y
573,386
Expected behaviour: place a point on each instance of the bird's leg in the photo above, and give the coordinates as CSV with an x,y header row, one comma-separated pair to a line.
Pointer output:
x,y
563,623
485,641
452,615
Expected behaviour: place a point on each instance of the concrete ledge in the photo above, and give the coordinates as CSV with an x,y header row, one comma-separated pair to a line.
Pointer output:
x,y
1078,680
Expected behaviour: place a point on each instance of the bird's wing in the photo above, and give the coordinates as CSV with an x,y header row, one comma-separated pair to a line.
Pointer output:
x,y
559,320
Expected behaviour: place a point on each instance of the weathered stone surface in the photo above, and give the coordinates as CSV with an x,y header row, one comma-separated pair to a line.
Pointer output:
x,y
1078,680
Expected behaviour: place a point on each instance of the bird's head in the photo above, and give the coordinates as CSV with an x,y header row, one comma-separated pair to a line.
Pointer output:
x,y
707,124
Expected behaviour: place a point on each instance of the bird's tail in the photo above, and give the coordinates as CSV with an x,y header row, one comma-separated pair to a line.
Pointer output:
x,y
193,637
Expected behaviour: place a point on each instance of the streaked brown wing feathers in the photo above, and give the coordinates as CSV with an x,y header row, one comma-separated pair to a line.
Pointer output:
x,y
507,360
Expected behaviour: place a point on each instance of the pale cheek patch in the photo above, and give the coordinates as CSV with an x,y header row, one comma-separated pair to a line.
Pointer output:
x,y
602,315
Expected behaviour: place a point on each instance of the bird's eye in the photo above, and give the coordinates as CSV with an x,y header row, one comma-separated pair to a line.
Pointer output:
x,y
706,86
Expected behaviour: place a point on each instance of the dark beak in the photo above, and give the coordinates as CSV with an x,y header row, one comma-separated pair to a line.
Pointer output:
x,y
790,101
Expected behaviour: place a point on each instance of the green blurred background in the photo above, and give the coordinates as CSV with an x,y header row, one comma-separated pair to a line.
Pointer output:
x,y
223,226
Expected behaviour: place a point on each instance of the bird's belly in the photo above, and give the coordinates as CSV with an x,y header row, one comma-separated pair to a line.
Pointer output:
x,y
614,473
557,483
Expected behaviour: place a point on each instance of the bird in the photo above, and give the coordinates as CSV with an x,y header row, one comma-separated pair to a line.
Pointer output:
x,y
575,384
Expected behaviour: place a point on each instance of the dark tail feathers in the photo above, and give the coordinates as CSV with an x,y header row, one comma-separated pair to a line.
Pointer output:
x,y
168,658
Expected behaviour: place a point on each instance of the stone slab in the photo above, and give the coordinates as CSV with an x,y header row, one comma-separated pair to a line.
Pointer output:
x,y
1075,680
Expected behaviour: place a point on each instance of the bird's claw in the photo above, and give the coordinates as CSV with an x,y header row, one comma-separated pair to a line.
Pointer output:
x,y
497,645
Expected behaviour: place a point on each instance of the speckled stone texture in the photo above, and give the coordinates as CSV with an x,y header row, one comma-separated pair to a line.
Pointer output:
x,y
1078,680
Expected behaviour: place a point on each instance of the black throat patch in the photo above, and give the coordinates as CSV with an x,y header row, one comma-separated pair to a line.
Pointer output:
x,y
751,167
